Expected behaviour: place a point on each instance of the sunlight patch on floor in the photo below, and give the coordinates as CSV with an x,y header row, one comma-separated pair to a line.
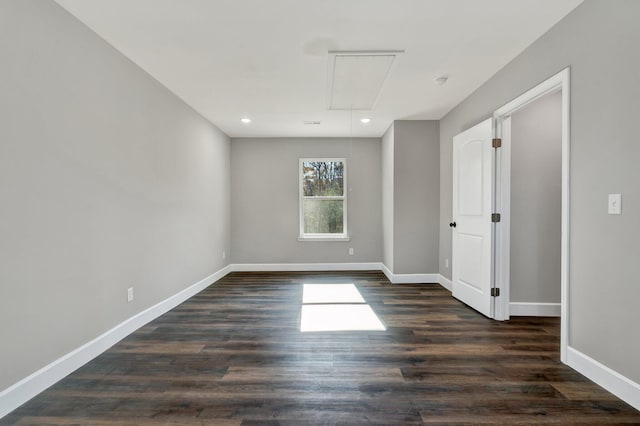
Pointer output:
x,y
341,317
331,293
336,307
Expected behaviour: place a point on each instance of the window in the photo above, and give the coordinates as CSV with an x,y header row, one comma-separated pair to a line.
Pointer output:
x,y
323,201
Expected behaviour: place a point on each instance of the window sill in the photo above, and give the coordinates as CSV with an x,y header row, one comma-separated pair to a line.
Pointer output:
x,y
323,238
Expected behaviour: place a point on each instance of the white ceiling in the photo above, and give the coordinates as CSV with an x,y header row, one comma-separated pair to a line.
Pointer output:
x,y
267,59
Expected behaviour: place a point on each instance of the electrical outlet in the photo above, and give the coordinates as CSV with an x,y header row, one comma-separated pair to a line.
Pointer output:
x,y
350,251
130,294
446,263
224,254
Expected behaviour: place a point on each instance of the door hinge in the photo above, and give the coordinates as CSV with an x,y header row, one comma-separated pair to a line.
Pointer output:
x,y
495,217
496,143
495,292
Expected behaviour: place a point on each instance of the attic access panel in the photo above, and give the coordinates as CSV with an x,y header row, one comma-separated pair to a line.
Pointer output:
x,y
355,79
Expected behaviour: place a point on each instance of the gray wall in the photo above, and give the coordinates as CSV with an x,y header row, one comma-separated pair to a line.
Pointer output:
x,y
536,195
387,197
416,195
599,40
107,181
264,200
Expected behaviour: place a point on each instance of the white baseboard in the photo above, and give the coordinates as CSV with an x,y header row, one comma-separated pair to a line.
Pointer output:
x,y
519,309
622,387
364,266
445,282
409,278
268,267
415,278
387,272
22,391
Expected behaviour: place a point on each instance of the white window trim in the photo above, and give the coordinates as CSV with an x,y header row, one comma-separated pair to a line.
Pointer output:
x,y
322,237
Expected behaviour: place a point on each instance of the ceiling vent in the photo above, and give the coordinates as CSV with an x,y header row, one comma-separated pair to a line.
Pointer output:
x,y
355,78
311,122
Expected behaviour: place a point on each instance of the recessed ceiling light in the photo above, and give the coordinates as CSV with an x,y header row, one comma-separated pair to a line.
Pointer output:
x,y
245,120
365,120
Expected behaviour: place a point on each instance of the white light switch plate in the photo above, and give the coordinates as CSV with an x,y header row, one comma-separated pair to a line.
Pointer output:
x,y
615,203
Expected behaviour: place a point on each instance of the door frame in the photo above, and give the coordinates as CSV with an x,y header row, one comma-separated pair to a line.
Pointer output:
x,y
559,81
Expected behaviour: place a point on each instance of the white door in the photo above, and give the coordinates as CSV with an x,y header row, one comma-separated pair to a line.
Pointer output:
x,y
472,207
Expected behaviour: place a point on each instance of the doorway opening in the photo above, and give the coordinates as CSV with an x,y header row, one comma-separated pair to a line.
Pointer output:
x,y
548,98
481,239
532,150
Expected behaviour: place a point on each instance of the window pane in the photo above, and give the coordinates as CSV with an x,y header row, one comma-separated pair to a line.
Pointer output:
x,y
323,217
323,178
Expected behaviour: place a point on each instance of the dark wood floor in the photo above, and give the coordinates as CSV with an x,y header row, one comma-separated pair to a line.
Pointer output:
x,y
234,355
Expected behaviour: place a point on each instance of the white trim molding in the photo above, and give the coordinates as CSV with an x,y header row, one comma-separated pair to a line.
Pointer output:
x,y
415,278
445,282
362,266
619,385
22,391
320,237
387,272
522,309
409,278
300,267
